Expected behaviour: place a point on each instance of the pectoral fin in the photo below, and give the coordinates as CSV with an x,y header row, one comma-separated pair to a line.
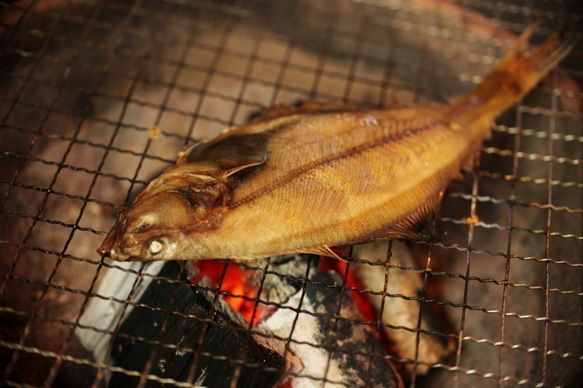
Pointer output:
x,y
236,169
231,154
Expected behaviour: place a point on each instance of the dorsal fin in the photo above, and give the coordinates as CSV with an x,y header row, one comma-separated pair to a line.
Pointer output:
x,y
282,110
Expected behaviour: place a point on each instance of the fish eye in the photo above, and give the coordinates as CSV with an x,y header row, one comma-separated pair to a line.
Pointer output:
x,y
155,247
142,227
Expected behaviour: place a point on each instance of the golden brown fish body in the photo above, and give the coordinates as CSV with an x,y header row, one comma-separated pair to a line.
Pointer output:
x,y
305,179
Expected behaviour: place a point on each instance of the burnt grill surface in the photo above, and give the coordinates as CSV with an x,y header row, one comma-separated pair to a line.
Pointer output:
x,y
99,97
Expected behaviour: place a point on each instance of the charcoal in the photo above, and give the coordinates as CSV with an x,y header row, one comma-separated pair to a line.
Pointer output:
x,y
337,347
230,344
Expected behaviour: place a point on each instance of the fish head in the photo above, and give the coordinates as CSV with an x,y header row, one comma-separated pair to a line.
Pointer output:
x,y
154,227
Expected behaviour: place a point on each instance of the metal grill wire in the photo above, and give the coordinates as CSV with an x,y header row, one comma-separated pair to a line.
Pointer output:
x,y
86,84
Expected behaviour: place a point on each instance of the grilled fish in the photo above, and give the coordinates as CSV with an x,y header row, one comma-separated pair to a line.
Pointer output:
x,y
300,180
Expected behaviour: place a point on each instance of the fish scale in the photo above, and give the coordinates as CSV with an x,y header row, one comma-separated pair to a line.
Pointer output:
x,y
346,142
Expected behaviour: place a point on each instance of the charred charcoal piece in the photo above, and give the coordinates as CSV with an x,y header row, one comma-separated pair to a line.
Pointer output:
x,y
349,351
226,344
284,276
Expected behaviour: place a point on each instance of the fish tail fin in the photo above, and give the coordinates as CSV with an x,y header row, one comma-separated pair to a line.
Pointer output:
x,y
512,78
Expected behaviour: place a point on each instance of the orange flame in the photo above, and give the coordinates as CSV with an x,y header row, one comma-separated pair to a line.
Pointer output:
x,y
233,287
363,304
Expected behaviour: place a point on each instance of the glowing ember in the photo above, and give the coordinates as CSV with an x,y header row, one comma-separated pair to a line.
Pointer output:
x,y
232,285
329,264
242,296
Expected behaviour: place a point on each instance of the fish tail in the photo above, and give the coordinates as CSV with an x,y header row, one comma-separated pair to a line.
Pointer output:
x,y
512,78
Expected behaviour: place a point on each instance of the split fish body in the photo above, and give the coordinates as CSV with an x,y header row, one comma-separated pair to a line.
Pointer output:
x,y
320,175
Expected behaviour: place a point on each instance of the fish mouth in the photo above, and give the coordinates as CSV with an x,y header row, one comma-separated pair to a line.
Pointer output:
x,y
110,242
117,254
109,248
113,254
111,245
104,251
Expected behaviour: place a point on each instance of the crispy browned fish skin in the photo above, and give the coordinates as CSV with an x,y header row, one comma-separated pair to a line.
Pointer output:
x,y
301,180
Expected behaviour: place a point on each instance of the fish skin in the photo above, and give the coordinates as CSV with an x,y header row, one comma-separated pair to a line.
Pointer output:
x,y
304,179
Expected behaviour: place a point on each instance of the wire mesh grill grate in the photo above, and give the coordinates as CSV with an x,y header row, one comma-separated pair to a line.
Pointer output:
x,y
99,97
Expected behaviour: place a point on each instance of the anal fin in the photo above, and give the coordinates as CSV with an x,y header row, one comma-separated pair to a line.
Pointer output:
x,y
416,226
323,250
